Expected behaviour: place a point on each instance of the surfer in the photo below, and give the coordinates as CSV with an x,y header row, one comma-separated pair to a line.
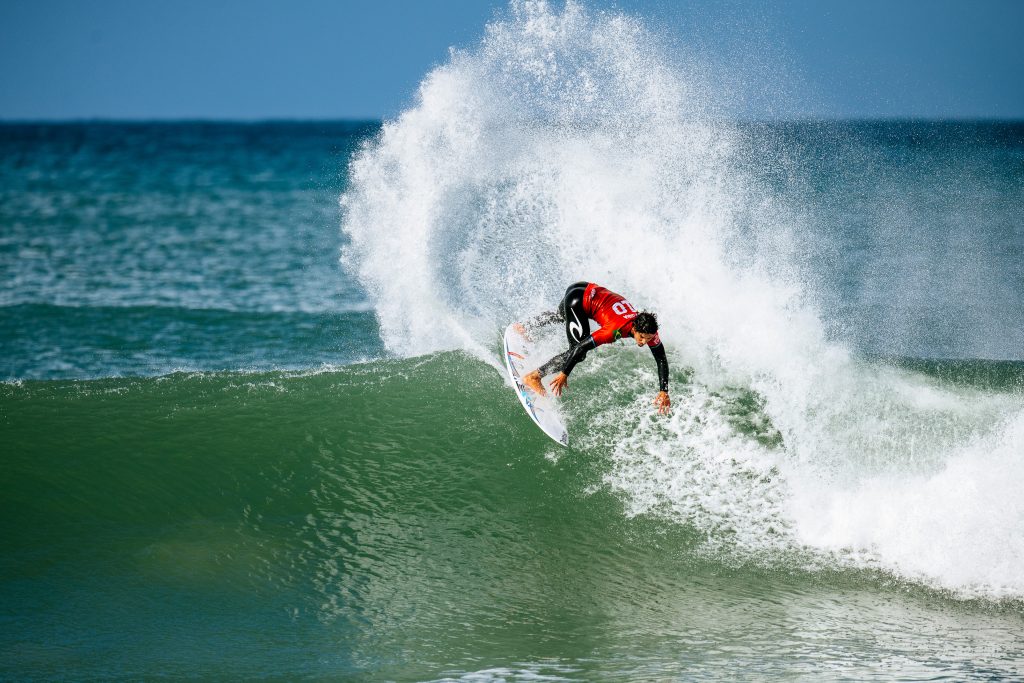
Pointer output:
x,y
617,318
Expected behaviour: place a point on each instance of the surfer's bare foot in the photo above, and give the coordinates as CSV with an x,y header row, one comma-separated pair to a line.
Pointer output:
x,y
532,380
521,330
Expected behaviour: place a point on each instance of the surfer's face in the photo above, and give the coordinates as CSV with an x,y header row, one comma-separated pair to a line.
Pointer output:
x,y
642,338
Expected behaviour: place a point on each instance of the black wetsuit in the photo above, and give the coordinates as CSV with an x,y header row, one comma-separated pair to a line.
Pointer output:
x,y
583,301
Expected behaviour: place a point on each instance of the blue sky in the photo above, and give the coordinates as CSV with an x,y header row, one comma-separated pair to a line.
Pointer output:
x,y
254,59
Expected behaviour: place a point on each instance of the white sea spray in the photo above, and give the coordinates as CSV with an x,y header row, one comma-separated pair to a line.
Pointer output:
x,y
569,146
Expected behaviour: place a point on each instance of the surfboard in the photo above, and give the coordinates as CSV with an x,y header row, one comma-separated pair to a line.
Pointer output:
x,y
541,409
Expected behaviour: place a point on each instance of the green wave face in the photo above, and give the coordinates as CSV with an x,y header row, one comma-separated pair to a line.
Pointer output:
x,y
401,520
371,512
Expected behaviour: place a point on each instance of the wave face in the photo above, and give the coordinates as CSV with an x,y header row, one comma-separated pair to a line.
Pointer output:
x,y
389,521
567,147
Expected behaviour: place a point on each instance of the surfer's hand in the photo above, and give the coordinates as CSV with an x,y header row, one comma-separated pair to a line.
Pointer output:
x,y
662,402
560,381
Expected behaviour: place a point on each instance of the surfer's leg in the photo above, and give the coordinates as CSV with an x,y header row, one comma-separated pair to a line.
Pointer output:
x,y
577,324
577,328
572,300
553,365
533,381
556,364
542,320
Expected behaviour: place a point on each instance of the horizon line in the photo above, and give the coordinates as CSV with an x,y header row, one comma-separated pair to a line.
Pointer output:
x,y
380,120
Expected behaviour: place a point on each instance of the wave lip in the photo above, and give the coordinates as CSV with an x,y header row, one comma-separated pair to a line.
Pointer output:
x,y
567,145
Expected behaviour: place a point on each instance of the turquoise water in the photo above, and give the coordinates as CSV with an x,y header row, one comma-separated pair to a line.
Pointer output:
x,y
255,423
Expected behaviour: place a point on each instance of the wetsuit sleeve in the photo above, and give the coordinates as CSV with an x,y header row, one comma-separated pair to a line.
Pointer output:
x,y
658,351
578,353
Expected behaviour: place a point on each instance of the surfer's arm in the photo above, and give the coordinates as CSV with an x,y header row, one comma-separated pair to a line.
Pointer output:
x,y
661,401
661,359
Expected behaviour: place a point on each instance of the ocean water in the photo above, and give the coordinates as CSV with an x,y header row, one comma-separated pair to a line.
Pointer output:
x,y
255,423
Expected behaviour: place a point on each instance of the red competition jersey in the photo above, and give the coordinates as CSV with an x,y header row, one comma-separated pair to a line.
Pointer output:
x,y
612,312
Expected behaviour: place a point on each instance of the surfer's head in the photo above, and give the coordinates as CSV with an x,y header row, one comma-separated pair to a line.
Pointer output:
x,y
645,327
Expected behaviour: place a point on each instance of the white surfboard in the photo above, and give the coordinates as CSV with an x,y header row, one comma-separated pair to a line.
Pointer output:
x,y
541,409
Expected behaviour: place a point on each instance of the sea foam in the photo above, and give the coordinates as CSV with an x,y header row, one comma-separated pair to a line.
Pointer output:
x,y
569,145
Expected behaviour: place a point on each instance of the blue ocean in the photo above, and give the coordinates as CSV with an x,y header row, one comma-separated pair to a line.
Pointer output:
x,y
256,425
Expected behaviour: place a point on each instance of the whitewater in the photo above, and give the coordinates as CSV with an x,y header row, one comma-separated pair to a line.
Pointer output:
x,y
568,146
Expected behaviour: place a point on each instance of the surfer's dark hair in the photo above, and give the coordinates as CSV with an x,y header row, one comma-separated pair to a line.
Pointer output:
x,y
645,322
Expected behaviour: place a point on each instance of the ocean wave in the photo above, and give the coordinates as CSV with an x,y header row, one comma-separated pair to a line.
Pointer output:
x,y
568,146
717,467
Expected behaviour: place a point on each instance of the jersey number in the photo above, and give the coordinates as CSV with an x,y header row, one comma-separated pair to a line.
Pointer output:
x,y
623,307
